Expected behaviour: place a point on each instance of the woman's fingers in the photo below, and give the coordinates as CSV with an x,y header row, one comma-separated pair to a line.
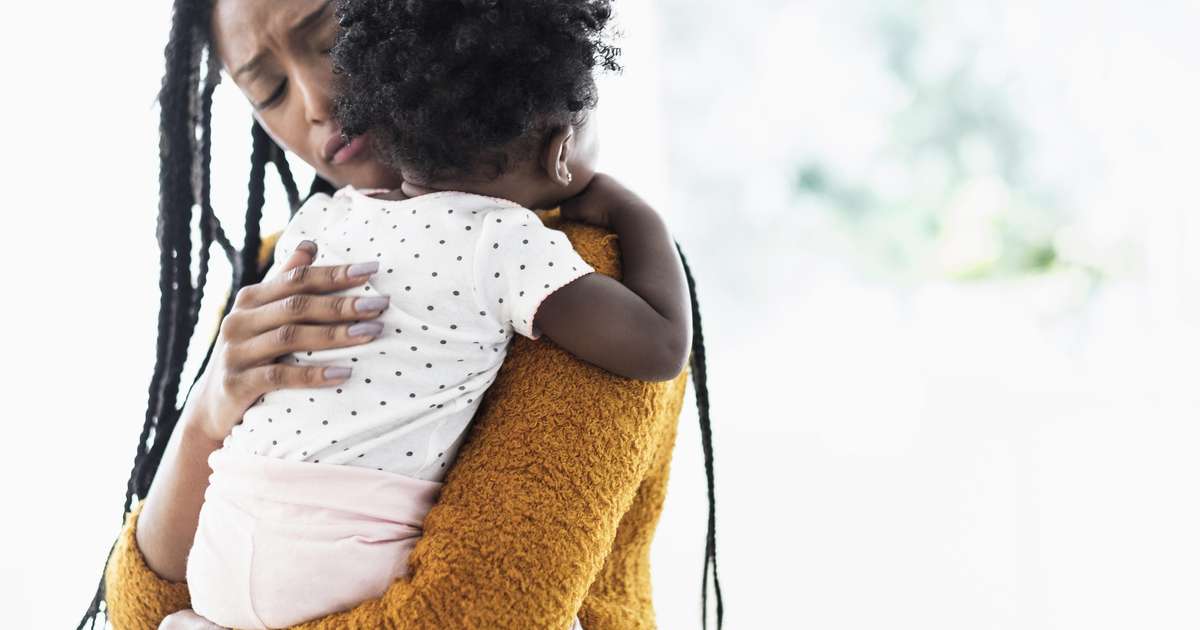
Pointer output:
x,y
292,337
303,308
305,279
274,376
296,297
304,254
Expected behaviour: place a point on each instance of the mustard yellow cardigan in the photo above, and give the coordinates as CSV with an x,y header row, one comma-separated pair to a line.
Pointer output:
x,y
549,510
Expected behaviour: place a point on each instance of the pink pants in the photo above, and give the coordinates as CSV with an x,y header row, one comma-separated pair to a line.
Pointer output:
x,y
281,542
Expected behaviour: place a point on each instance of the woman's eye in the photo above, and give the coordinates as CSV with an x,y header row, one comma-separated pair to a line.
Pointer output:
x,y
274,97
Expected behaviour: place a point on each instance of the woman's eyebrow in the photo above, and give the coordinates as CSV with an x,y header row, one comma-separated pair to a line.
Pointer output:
x,y
249,66
303,24
312,18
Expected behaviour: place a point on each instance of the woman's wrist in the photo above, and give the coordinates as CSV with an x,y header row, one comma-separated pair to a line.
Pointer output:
x,y
196,437
196,422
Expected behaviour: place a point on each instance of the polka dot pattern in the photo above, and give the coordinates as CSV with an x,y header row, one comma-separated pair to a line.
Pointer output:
x,y
464,272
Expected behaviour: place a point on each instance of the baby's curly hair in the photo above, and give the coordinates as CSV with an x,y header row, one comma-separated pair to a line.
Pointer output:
x,y
467,88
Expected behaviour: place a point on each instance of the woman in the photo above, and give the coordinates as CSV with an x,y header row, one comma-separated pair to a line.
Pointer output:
x,y
551,505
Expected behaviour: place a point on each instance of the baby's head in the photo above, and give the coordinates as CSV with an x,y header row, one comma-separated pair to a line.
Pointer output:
x,y
486,96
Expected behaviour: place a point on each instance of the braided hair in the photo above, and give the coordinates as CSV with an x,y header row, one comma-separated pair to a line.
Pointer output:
x,y
700,381
185,155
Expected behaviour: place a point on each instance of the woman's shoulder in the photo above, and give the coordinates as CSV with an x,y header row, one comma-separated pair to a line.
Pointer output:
x,y
598,247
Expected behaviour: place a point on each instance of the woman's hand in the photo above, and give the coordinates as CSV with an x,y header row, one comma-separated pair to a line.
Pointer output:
x,y
187,620
282,314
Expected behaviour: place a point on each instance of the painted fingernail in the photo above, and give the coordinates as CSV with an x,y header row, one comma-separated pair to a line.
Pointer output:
x,y
366,328
362,269
307,246
337,372
370,303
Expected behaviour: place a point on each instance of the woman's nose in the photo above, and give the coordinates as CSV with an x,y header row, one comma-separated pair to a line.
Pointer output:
x,y
314,93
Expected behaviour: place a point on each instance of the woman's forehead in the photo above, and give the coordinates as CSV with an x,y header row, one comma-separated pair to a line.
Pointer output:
x,y
244,28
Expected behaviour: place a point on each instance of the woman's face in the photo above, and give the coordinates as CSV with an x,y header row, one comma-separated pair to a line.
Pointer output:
x,y
278,54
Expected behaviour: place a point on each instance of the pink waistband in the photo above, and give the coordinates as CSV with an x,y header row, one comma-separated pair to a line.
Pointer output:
x,y
352,489
280,542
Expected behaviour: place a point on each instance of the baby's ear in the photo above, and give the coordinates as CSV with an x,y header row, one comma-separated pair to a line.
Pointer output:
x,y
556,154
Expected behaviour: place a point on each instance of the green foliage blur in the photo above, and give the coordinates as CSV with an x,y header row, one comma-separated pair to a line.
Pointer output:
x,y
968,207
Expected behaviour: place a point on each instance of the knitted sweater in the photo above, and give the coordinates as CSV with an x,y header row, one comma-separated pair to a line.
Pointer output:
x,y
548,511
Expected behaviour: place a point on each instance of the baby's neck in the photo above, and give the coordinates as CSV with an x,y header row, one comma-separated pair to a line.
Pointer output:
x,y
523,186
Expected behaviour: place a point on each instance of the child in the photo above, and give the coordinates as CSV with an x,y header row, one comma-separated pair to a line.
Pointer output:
x,y
318,496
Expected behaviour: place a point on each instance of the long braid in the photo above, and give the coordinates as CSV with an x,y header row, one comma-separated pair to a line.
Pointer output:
x,y
184,182
700,380
279,159
260,153
176,196
177,99
210,226
216,231
247,272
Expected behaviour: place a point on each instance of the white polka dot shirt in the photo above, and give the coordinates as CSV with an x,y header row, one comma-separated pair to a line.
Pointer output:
x,y
464,272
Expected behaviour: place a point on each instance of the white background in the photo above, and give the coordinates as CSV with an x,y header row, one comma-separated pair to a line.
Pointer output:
x,y
938,454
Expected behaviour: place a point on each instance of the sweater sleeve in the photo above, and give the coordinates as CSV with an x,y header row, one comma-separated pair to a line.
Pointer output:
x,y
136,597
528,513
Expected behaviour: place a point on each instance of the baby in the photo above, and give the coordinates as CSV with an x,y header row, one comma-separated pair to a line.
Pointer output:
x,y
318,496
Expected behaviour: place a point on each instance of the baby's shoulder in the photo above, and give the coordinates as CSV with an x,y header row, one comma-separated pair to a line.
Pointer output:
x,y
598,247
510,216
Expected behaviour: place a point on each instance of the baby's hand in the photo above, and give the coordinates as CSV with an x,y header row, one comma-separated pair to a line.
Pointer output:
x,y
596,203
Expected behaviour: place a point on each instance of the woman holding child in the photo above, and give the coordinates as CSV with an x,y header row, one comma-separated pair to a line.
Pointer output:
x,y
547,512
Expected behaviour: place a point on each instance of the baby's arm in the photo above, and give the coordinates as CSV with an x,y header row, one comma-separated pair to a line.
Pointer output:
x,y
639,327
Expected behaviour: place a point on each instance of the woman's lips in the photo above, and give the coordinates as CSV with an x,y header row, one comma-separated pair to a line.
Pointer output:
x,y
345,151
